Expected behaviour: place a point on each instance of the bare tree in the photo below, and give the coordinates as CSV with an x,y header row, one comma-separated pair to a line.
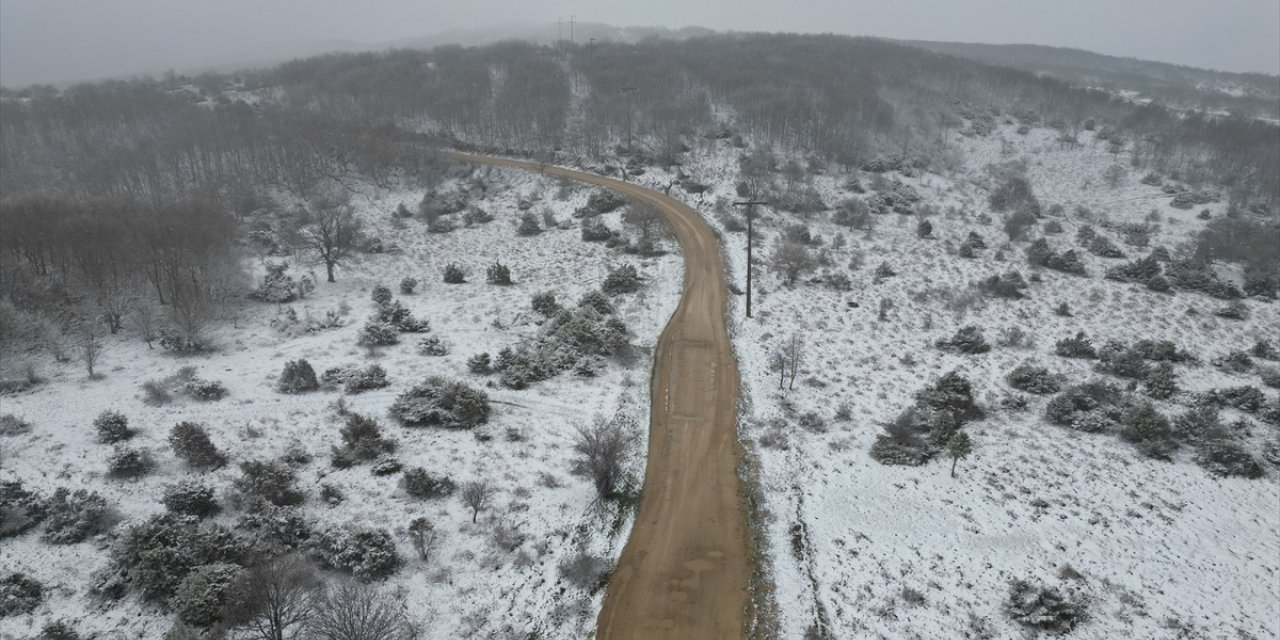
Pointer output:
x,y
786,359
145,321
357,611
644,216
476,496
332,231
791,259
603,448
89,347
277,599
423,536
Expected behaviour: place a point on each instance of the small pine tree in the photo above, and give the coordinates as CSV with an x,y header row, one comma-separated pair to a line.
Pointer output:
x,y
499,274
191,442
959,446
453,274
381,295
112,427
924,229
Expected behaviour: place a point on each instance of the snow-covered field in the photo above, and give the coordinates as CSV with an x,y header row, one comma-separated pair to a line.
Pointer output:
x,y
499,577
1155,549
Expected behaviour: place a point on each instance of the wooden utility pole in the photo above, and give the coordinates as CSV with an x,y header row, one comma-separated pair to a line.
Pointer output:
x,y
629,91
750,205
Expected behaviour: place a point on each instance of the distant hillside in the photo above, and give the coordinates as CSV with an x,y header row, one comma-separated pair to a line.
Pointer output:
x,y
1254,94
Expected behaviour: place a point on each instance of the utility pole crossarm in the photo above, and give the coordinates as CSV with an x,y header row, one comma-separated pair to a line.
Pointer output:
x,y
750,204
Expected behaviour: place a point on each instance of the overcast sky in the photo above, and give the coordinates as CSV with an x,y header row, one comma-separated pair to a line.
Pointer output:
x,y
63,40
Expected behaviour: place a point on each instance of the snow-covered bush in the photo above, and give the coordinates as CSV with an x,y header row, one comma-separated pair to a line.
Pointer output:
x,y
1077,347
1102,246
11,425
277,285
273,530
1148,430
622,280
362,440
419,483
441,402
528,225
182,344
544,303
499,274
204,390
595,231
1033,379
1091,407
601,202
203,595
585,570
20,510
191,443
1040,254
597,301
112,427
377,333
433,346
367,554
19,594
921,431
1043,608
1008,285
967,340
479,364
408,285
381,295
1246,398
396,315
74,516
190,498
453,274
297,377
269,482
159,553
127,463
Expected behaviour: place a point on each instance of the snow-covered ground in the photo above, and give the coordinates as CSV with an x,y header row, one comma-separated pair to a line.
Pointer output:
x,y
1156,549
475,584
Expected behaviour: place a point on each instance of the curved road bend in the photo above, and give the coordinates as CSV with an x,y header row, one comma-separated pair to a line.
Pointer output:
x,y
684,571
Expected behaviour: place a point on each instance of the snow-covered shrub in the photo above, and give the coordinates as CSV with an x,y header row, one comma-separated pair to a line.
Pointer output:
x,y
499,274
202,596
1245,398
112,427
19,594
204,390
362,440
544,303
1116,359
1141,270
1224,456
277,286
20,510
386,466
190,498
297,377
155,394
438,401
408,285
433,346
595,231
1237,362
1270,376
1040,254
601,202
11,425
273,530
1233,311
59,630
127,464
381,295
453,274
1077,347
921,431
267,481
396,315
1103,247
597,301
377,333
585,570
903,443
1008,285
883,271
1161,382
159,553
1090,407
370,377
528,225
1148,430
367,554
1033,379
191,443
74,516
479,364
622,280
1043,608
175,342
967,340
419,483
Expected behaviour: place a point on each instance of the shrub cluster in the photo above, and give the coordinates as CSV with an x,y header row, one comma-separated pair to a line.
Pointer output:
x,y
190,498
297,377
267,481
419,483
73,516
1033,379
622,280
968,340
1008,285
162,551
1043,608
1040,254
354,379
112,427
367,554
923,430
441,402
191,443
361,441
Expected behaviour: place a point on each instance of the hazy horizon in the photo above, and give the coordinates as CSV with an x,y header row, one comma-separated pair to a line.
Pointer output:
x,y
59,41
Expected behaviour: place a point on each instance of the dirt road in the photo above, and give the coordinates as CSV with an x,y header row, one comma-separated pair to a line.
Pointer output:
x,y
684,571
